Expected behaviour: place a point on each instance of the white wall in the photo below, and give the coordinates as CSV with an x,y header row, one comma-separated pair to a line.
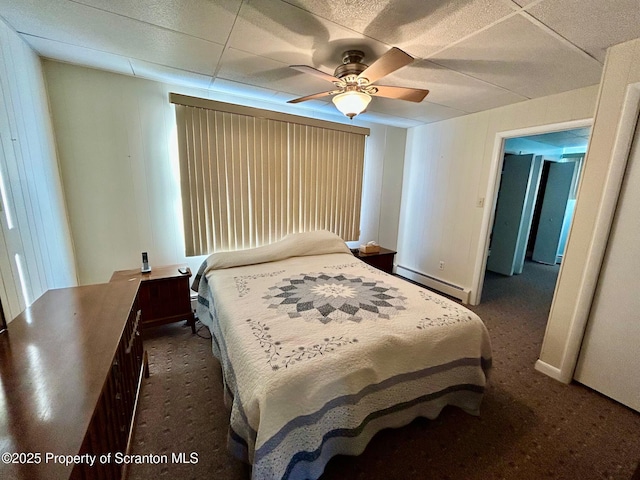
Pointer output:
x,y
449,166
384,161
116,139
604,166
33,199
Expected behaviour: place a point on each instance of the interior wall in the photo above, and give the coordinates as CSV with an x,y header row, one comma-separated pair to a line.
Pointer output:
x,y
116,140
384,162
601,179
36,252
448,174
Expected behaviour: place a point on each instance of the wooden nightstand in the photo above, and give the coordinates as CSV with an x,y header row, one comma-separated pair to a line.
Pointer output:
x,y
164,295
382,259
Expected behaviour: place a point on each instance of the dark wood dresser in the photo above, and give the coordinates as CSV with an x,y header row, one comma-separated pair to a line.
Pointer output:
x,y
71,367
164,294
382,259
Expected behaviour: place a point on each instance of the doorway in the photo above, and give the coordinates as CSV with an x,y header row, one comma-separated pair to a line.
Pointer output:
x,y
537,177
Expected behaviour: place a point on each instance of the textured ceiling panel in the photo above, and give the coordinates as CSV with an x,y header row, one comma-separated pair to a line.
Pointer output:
x,y
523,58
419,27
285,33
200,18
79,55
161,73
564,138
425,109
447,87
618,21
524,3
84,26
247,68
496,52
552,144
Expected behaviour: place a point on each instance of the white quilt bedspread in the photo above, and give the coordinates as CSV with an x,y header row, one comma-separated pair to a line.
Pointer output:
x,y
320,352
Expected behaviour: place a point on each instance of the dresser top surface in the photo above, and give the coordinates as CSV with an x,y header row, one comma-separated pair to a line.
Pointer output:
x,y
54,360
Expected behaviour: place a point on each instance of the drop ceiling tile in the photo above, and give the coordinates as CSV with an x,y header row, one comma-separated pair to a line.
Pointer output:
x,y
247,68
424,110
79,55
164,74
400,122
593,25
231,87
437,113
563,138
524,58
447,87
523,3
582,132
279,31
84,26
419,27
200,18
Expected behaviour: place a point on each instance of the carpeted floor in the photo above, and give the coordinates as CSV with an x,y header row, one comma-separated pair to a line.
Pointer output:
x,y
530,427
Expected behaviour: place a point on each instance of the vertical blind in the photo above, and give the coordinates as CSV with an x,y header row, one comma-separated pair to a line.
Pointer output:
x,y
249,177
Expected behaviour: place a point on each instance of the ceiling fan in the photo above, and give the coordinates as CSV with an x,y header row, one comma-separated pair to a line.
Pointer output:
x,y
354,81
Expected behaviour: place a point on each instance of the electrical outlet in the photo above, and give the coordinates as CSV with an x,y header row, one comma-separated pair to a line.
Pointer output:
x,y
441,266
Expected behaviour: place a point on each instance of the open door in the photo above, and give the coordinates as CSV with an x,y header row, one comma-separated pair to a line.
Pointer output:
x,y
508,225
554,207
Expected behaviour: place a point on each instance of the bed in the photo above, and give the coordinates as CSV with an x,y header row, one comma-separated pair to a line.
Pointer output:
x,y
319,351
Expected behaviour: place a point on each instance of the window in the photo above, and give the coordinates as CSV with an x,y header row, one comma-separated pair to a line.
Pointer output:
x,y
249,176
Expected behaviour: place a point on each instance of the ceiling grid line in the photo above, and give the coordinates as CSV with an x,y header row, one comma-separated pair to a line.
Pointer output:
x,y
225,47
154,25
556,35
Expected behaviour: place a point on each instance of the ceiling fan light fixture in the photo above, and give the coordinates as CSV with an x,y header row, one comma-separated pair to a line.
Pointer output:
x,y
351,103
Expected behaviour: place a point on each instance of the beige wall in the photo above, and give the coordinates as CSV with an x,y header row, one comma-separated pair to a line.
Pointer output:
x,y
116,139
36,252
449,167
613,128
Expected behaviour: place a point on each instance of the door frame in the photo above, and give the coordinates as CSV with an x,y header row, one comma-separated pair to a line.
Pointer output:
x,y
628,121
497,160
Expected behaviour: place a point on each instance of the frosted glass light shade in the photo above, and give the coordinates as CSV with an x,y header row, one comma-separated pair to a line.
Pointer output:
x,y
351,103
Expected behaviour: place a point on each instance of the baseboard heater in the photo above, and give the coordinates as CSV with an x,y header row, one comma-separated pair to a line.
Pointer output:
x,y
441,286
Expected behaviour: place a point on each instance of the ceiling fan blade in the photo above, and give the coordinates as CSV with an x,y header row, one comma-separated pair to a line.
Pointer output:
x,y
401,93
312,97
386,64
315,72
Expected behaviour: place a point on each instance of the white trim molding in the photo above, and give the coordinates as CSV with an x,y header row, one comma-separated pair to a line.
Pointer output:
x,y
615,123
548,370
604,220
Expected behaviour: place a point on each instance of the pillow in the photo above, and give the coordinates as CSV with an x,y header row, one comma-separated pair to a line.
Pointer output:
x,y
319,242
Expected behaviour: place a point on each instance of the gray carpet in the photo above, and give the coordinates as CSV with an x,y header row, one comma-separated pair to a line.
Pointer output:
x,y
530,427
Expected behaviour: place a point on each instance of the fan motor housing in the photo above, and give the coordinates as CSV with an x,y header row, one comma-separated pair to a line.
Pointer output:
x,y
351,64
